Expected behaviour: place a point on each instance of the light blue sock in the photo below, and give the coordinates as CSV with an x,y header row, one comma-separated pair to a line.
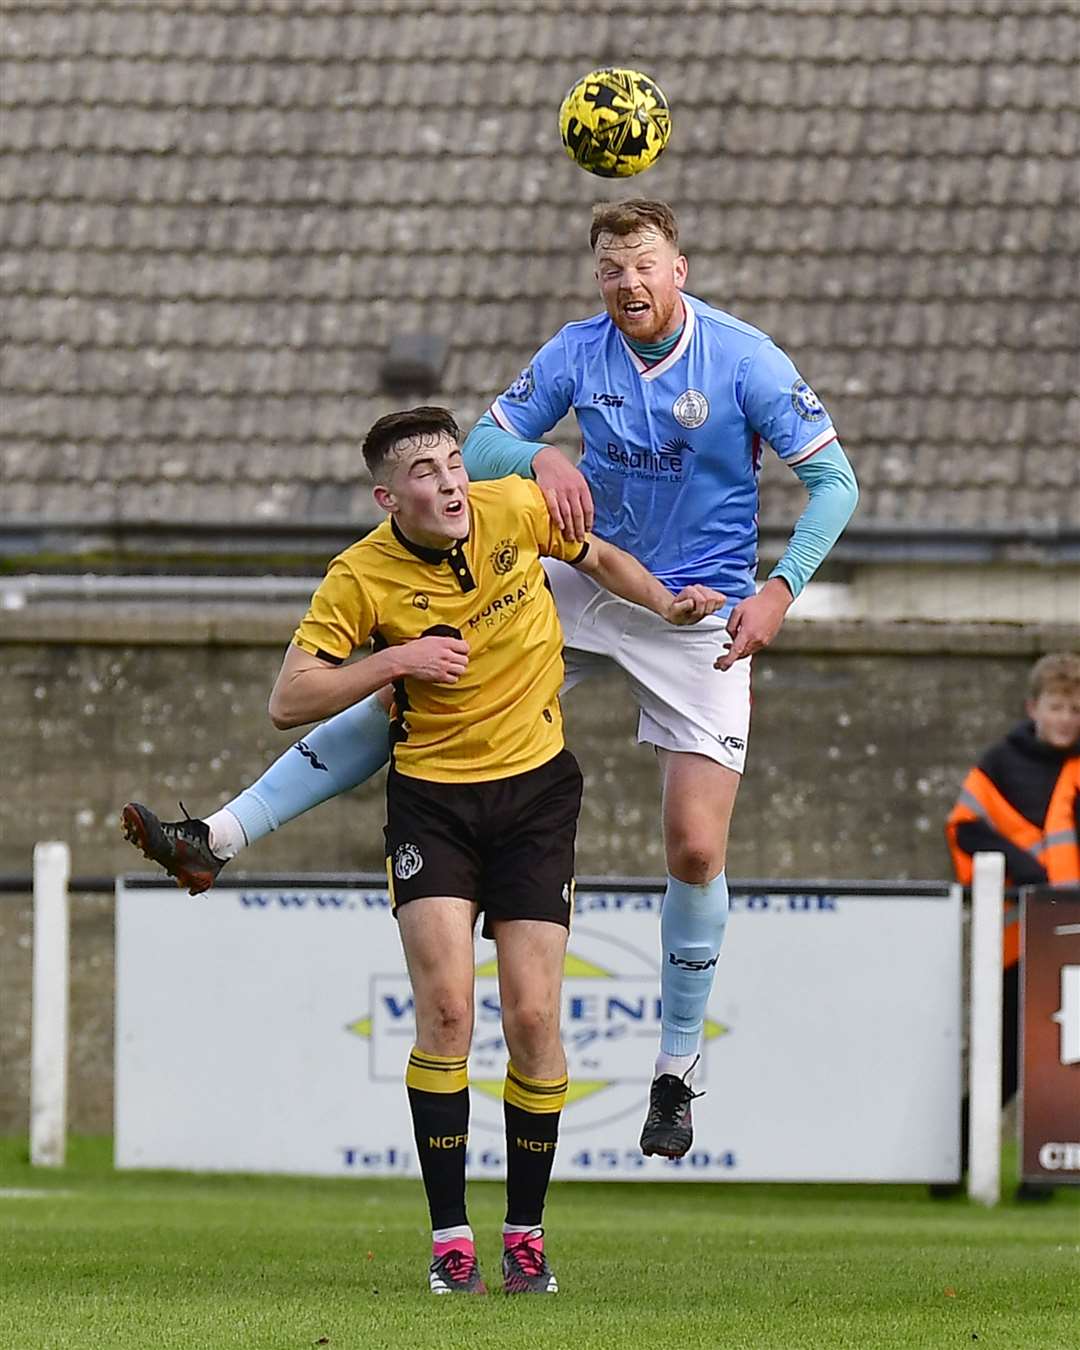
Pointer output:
x,y
339,754
692,924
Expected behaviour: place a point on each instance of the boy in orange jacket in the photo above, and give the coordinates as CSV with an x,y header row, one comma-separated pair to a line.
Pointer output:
x,y
1022,799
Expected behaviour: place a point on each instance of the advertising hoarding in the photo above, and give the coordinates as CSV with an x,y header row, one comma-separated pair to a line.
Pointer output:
x,y
265,1027
1050,1030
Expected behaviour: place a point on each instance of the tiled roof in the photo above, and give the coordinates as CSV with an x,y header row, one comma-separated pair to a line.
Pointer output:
x,y
217,215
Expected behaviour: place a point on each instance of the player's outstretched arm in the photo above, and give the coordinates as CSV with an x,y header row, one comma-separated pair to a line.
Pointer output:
x,y
624,576
490,451
309,689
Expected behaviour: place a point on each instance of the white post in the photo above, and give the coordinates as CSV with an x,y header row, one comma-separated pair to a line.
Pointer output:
x,y
49,1006
984,1057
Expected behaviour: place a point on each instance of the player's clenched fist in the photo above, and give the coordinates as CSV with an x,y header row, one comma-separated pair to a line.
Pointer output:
x,y
441,660
693,603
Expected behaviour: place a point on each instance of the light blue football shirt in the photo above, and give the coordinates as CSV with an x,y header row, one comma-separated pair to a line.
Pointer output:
x,y
672,450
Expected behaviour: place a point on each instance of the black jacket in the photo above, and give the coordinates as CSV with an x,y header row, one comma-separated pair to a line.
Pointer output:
x,y
1025,771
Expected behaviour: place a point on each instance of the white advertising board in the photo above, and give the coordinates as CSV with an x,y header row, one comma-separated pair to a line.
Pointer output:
x,y
266,1027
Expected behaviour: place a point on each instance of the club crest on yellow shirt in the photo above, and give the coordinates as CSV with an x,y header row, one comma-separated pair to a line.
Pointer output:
x,y
505,556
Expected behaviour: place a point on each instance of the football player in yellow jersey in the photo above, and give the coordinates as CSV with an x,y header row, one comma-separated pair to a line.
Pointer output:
x,y
482,796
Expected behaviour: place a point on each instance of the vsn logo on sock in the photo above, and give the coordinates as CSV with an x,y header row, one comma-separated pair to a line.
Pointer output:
x,y
693,958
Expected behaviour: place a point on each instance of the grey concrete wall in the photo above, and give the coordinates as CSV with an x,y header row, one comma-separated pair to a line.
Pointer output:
x,y
855,756
855,759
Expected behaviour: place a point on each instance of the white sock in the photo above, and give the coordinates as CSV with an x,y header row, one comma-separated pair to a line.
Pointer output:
x,y
455,1234
679,1066
227,835
512,1228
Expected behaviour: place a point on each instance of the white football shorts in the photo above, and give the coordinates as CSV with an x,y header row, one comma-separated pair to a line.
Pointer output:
x,y
684,703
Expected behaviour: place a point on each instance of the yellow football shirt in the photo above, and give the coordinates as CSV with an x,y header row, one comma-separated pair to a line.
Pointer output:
x,y
503,716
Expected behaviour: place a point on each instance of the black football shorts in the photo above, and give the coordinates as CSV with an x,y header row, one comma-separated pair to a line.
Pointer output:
x,y
508,843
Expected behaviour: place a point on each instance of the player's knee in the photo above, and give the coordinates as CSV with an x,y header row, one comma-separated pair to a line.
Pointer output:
x,y
531,1030
694,859
445,1023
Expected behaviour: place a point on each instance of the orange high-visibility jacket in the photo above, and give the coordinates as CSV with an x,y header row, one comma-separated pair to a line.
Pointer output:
x,y
1023,798
1053,843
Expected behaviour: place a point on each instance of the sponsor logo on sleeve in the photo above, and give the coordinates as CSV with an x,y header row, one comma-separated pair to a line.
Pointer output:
x,y
522,388
806,403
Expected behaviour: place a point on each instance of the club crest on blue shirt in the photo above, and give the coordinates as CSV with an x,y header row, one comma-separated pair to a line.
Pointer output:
x,y
691,408
522,388
806,403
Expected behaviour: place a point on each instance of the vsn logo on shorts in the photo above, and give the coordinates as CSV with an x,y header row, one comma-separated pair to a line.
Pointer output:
x,y
407,861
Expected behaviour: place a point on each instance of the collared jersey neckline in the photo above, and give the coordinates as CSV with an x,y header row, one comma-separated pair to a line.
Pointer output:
x,y
656,351
649,372
454,555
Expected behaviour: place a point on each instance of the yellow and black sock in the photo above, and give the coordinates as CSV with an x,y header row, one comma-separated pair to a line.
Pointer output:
x,y
531,1107
438,1087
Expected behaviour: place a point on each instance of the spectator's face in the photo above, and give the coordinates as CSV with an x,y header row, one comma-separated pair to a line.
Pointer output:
x,y
640,277
1056,714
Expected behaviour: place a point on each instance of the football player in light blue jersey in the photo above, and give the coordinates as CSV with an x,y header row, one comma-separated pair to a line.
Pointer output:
x,y
671,447
676,402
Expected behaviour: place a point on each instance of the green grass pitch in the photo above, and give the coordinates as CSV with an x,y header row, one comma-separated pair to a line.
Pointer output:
x,y
135,1261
